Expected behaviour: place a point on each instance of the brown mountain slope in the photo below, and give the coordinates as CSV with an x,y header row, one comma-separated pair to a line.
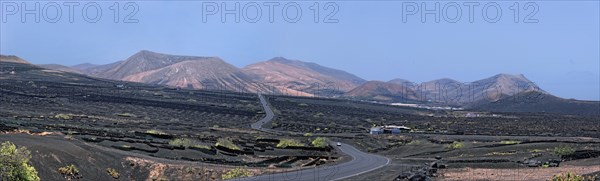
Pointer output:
x,y
205,73
499,85
144,61
303,76
12,59
179,71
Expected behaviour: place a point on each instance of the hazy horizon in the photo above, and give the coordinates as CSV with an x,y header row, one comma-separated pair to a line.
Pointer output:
x,y
560,53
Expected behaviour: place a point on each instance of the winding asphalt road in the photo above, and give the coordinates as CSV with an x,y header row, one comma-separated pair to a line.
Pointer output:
x,y
361,162
268,117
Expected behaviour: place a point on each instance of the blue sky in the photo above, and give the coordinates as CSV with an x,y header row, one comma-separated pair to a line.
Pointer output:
x,y
561,52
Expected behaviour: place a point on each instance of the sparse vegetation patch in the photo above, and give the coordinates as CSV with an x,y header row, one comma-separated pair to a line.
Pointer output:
x,y
569,176
69,172
455,145
186,142
63,116
320,142
113,173
236,173
224,142
563,150
14,163
288,142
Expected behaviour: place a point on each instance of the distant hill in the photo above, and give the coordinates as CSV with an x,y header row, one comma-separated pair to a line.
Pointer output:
x,y
60,67
178,71
96,70
536,101
400,82
278,75
144,61
498,86
499,93
306,77
13,59
83,66
383,92
201,73
29,72
445,91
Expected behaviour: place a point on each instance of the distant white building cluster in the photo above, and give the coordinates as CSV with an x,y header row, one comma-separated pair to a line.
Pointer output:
x,y
390,129
427,107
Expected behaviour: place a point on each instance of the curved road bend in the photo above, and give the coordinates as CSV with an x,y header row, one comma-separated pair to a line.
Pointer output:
x,y
361,162
268,117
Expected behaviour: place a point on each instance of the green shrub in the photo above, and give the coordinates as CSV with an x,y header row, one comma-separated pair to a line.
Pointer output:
x,y
185,142
545,165
227,144
113,173
14,163
182,142
201,147
63,116
536,151
570,176
320,142
236,173
288,142
69,171
455,145
564,150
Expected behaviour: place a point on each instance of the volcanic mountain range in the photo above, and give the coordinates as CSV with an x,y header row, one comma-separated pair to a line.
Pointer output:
x,y
293,77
